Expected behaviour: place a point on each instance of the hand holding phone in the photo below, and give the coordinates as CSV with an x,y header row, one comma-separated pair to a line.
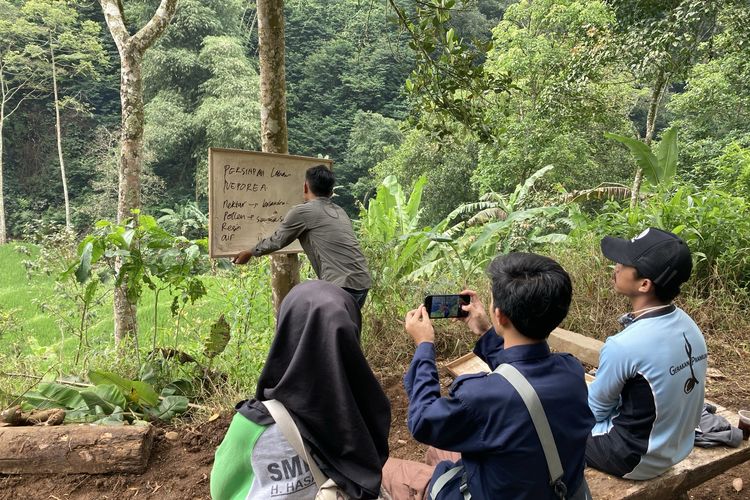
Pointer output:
x,y
476,315
419,326
446,306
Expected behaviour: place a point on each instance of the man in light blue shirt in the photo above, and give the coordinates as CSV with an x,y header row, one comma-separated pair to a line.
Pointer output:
x,y
648,394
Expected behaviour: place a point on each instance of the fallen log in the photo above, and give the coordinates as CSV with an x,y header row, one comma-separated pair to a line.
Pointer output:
x,y
75,449
14,416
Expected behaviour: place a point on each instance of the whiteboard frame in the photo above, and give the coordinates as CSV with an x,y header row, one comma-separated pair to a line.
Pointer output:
x,y
293,247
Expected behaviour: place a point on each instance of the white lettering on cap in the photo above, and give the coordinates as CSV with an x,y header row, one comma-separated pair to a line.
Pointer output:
x,y
643,233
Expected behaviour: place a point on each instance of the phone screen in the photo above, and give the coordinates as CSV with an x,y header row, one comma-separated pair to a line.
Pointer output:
x,y
446,306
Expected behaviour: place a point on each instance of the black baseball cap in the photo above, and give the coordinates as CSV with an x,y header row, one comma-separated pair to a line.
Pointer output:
x,y
658,255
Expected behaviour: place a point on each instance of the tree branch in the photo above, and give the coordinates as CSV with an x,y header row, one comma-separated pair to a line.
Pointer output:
x,y
155,27
115,23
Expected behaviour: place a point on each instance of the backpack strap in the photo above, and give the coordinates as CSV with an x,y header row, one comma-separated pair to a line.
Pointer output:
x,y
290,431
541,424
445,477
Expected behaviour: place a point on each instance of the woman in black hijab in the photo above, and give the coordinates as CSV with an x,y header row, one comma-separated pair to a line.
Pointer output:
x,y
317,370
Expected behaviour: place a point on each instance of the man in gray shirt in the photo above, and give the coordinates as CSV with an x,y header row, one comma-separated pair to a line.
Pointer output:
x,y
326,235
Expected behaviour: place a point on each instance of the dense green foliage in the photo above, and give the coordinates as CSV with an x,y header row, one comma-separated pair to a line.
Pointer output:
x,y
556,76
458,129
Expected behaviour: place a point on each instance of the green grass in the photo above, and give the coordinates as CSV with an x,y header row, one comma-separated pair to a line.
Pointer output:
x,y
23,295
18,295
35,341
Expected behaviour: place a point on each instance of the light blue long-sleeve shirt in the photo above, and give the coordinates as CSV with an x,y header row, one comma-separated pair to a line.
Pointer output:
x,y
649,390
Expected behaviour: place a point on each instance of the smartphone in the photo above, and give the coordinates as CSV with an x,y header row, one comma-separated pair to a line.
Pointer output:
x,y
446,306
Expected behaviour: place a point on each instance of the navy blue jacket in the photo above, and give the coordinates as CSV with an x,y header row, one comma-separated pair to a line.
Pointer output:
x,y
485,420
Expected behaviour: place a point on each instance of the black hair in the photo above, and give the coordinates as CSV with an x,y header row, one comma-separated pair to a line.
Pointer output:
x,y
320,180
664,294
533,291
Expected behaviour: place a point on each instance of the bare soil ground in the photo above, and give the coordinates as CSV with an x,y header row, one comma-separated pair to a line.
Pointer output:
x,y
180,468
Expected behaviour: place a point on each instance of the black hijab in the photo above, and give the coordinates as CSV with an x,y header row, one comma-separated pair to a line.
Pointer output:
x,y
317,370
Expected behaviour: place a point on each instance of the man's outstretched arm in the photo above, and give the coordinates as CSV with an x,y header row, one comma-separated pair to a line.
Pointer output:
x,y
290,229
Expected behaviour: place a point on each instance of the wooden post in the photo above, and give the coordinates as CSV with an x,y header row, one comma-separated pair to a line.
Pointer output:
x,y
284,268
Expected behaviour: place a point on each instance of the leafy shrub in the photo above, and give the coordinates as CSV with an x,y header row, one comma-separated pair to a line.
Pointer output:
x,y
733,167
8,320
111,399
185,220
714,224
149,257
496,224
246,295
390,239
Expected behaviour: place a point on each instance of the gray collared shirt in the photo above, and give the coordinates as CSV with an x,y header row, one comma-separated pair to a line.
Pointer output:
x,y
326,235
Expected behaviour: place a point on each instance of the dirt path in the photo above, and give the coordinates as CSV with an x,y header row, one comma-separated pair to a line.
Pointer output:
x,y
180,467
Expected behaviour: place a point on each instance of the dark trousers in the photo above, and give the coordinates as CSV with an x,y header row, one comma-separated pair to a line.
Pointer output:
x,y
359,295
605,452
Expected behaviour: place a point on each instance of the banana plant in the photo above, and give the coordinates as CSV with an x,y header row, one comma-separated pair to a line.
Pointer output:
x,y
497,223
659,168
389,227
391,240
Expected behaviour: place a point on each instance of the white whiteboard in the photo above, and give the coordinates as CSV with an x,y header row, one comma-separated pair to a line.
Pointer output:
x,y
249,193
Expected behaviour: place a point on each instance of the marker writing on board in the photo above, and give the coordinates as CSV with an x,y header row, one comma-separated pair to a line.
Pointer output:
x,y
276,218
278,173
244,186
232,215
230,170
274,203
234,204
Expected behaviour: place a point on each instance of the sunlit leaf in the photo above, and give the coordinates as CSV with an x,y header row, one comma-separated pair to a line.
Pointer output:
x,y
646,160
218,338
169,407
107,396
52,395
84,267
667,155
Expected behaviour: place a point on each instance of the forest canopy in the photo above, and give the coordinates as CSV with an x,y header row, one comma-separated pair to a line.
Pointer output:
x,y
556,76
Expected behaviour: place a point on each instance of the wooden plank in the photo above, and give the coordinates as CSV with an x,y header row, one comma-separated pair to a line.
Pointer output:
x,y
701,465
582,347
75,449
468,363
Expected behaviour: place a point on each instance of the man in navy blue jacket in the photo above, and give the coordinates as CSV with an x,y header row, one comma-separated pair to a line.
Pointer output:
x,y
484,418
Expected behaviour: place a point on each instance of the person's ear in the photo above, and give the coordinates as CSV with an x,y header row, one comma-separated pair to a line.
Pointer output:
x,y
500,317
306,188
646,286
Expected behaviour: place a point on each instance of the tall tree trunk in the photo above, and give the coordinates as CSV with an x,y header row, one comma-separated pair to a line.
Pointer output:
x,y
131,50
660,87
129,186
58,130
284,268
3,237
9,92
3,99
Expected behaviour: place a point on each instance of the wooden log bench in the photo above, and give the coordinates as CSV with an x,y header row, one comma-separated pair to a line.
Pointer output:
x,y
701,465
